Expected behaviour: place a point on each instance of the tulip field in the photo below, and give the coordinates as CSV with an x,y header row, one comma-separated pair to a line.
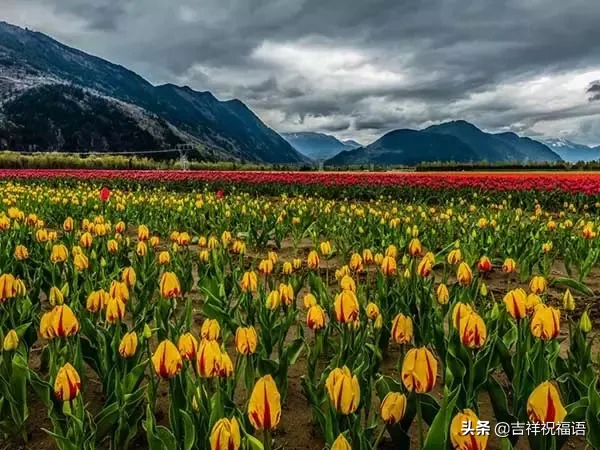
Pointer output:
x,y
265,310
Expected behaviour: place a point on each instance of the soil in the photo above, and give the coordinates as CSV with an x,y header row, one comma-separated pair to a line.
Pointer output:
x,y
296,430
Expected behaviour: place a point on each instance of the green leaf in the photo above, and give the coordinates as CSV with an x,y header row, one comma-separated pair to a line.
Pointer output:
x,y
565,282
438,432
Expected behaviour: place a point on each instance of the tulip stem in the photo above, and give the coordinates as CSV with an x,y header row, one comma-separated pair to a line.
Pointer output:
x,y
267,439
381,433
420,422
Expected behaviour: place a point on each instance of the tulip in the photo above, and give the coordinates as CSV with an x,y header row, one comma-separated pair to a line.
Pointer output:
x,y
315,318
143,233
393,407
213,243
378,324
531,303
425,267
585,324
56,296
287,268
63,323
568,301
115,310
372,311
466,441
464,274
341,443
544,404
296,263
249,282
313,260
473,331
41,236
342,272
286,292
68,224
378,259
167,360
346,307
442,294
164,258
210,330
141,249
67,384
273,300
59,253
414,247
325,248
246,340
225,435
119,290
347,284
356,262
419,370
402,329
388,265
187,346
128,345
112,246
264,406
367,256
516,303
208,359
343,390
86,240
461,311
11,341
454,257
391,251
21,252
309,300
184,239
545,322
120,227
538,285
266,266
129,277
204,256
81,262
484,264
46,330
509,265
169,285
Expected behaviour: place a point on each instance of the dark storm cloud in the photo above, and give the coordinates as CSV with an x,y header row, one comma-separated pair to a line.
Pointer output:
x,y
594,91
375,63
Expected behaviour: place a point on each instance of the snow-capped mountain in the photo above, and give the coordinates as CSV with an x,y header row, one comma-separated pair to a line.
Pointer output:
x,y
573,152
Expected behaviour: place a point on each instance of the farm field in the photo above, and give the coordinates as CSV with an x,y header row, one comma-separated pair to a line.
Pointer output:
x,y
299,310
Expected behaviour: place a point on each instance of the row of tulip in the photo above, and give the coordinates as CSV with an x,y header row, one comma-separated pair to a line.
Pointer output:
x,y
108,298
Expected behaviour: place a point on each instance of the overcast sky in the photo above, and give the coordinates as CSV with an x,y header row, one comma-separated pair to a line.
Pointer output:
x,y
356,68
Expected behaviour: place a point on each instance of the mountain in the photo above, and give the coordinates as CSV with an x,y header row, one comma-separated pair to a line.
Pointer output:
x,y
456,141
30,61
407,147
317,145
351,143
573,152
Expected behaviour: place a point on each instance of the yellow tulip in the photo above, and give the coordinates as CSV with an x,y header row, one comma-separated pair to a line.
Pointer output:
x,y
210,330
11,341
309,300
273,300
419,370
225,366
41,235
120,227
112,246
115,310
343,390
286,292
119,290
454,257
128,345
464,274
264,406
183,239
341,443
315,318
414,247
204,256
425,267
167,360
67,384
356,262
208,359
164,258
346,307
509,265
325,248
516,303
246,340
187,346
81,262
21,252
86,240
442,294
249,282
63,322
141,249
265,266
531,303
544,404
372,311
367,256
169,285
393,407
461,311
388,265
143,233
296,263
391,251
473,331
238,247
56,296
347,283
585,324
545,322
129,277
568,301
538,285
68,224
59,253
7,287
225,435
402,329
466,441
313,260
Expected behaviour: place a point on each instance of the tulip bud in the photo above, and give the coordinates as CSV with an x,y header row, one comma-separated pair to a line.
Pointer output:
x,y
315,318
495,314
128,345
516,303
286,293
55,297
81,262
249,282
544,404
346,307
21,252
473,331
419,370
129,277
402,329
169,286
246,340
264,406
287,268
188,346
119,290
538,285
67,383
147,333
509,265
442,294
11,341
164,258
568,301
467,441
455,256
325,248
464,274
273,300
313,260
388,265
210,330
372,311
343,390
309,300
167,360
225,435
347,284
545,322
483,290
115,310
393,407
585,324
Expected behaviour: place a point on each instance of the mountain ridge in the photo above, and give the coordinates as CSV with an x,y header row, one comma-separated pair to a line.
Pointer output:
x,y
317,145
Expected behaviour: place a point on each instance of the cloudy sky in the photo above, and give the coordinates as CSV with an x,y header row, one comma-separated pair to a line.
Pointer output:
x,y
356,68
